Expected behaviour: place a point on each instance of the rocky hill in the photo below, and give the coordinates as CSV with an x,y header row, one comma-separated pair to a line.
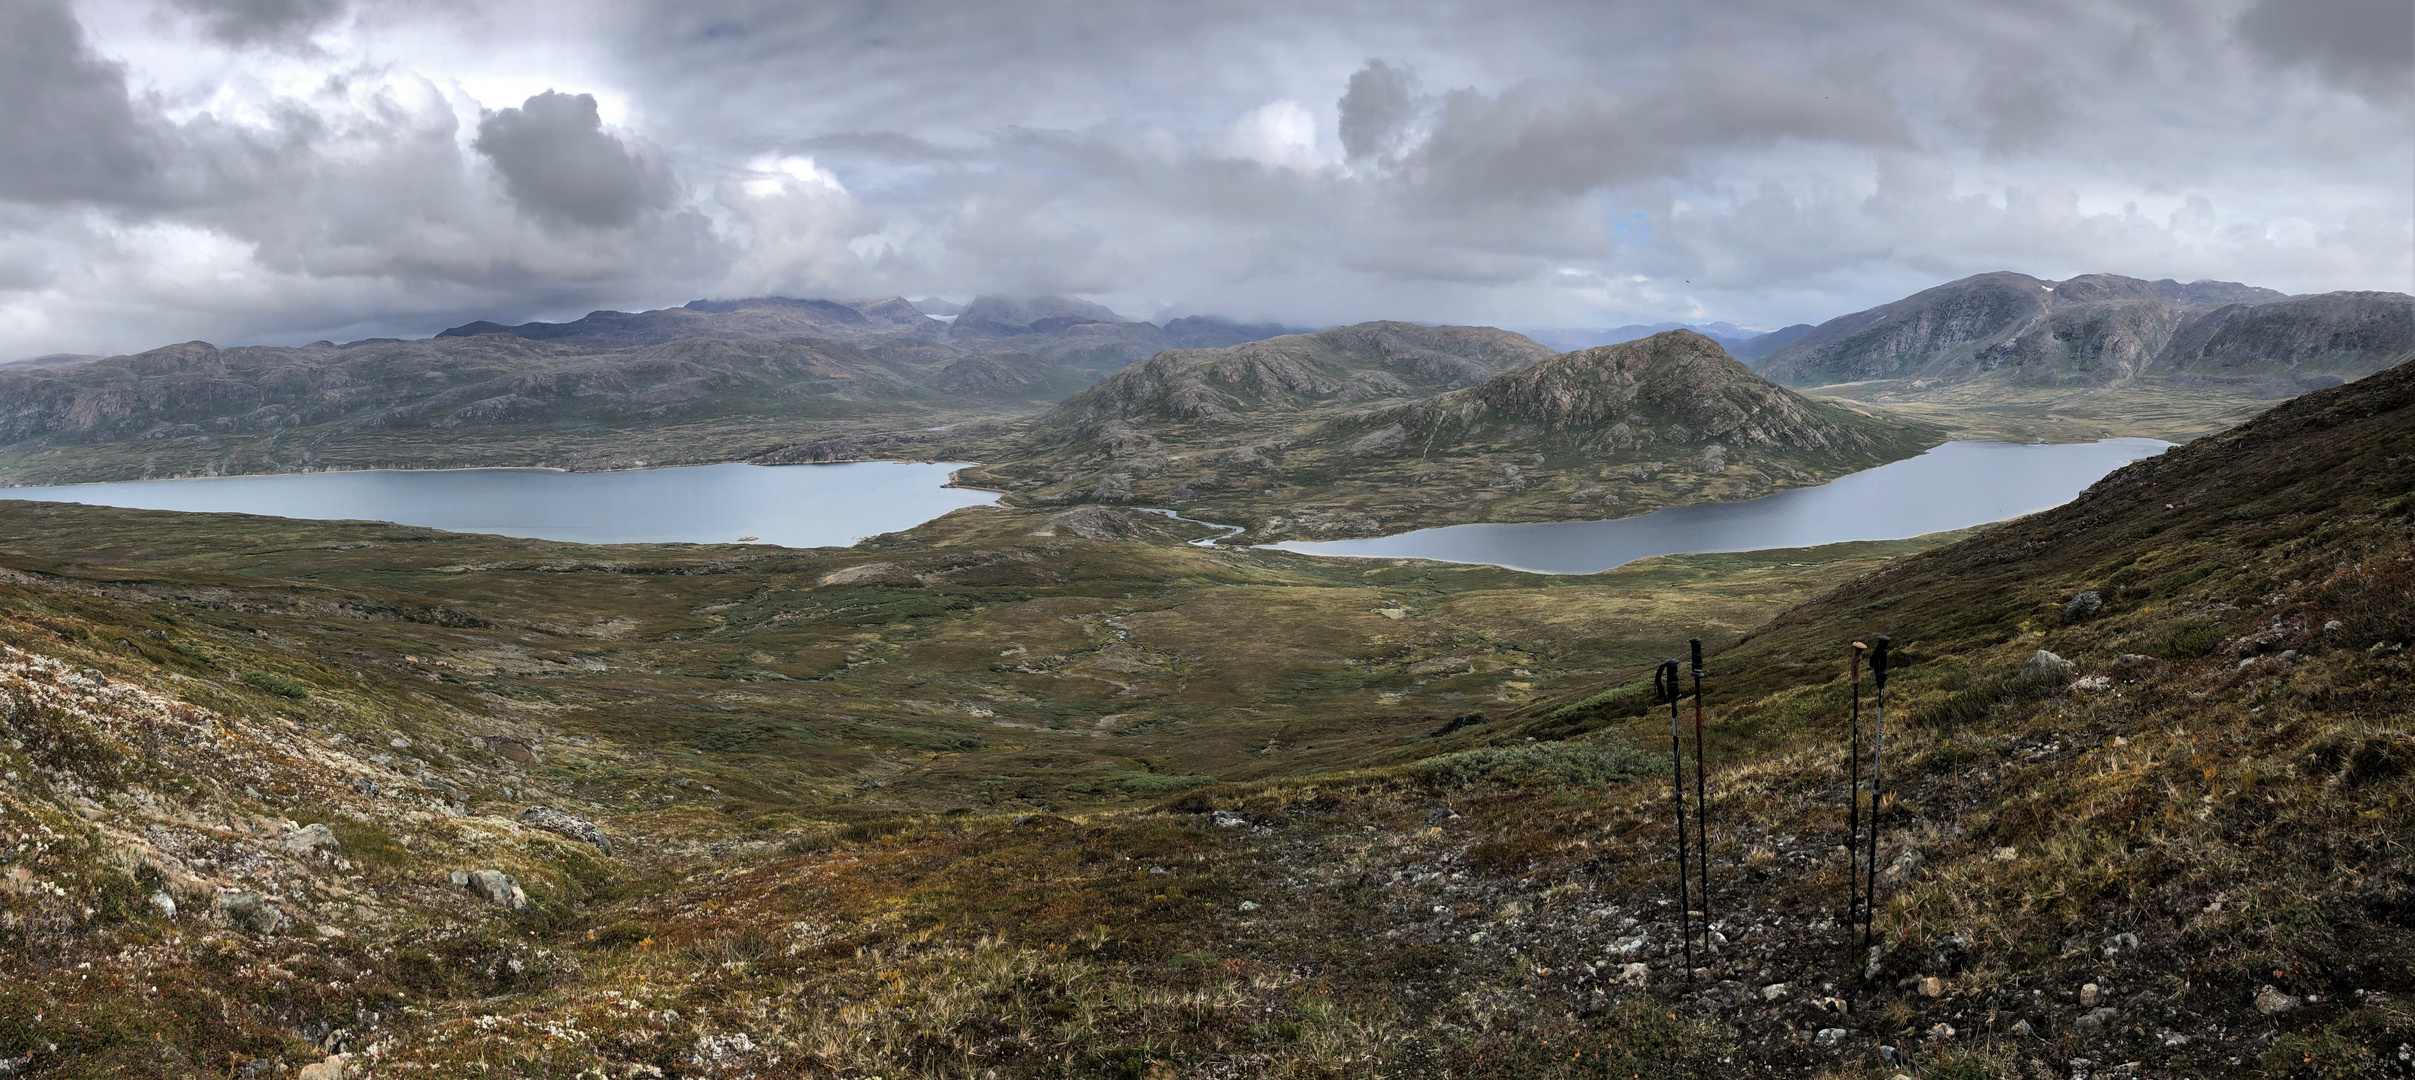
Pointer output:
x,y
490,399
2101,329
1385,426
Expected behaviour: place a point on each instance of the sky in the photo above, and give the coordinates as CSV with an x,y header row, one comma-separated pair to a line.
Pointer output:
x,y
279,171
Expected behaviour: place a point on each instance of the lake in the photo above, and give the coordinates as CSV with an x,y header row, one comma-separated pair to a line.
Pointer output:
x,y
789,505
1953,486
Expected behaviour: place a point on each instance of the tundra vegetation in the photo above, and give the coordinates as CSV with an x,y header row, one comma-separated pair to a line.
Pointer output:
x,y
1031,793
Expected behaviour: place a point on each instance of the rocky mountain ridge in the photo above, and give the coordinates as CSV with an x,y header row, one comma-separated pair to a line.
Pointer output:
x,y
2102,329
1382,426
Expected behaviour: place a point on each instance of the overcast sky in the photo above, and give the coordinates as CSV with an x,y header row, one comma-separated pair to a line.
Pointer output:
x,y
277,171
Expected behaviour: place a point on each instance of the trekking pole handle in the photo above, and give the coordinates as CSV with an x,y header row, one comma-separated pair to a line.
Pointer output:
x,y
1697,644
1664,682
1878,660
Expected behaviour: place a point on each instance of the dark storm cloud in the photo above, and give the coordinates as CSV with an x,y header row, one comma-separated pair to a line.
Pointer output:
x,y
256,22
1377,109
2367,45
68,133
1563,140
559,163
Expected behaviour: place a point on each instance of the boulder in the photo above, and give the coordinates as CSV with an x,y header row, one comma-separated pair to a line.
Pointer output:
x,y
2083,607
498,888
252,912
576,828
510,749
330,1069
313,837
2046,665
2272,1002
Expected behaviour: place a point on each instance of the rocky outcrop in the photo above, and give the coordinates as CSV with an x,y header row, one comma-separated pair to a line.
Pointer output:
x,y
576,828
2098,329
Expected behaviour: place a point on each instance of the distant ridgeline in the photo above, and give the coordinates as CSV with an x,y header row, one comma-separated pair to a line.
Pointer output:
x,y
2101,329
714,380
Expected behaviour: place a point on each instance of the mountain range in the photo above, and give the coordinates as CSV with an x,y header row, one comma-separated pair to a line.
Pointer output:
x,y
2104,329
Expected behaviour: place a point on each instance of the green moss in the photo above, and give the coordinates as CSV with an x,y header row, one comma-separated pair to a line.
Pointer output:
x,y
276,684
1543,764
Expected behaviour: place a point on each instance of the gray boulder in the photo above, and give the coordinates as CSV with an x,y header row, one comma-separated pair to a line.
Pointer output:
x,y
313,837
2046,665
252,912
2083,607
497,888
576,828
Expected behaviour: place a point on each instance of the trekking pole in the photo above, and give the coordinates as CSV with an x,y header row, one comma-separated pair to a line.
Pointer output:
x,y
1702,806
1853,812
1664,681
1878,757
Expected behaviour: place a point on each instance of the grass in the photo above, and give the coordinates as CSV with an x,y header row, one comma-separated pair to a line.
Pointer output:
x,y
1410,891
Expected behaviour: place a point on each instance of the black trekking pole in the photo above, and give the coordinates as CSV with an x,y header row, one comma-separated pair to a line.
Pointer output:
x,y
1664,681
1878,757
1702,806
1853,812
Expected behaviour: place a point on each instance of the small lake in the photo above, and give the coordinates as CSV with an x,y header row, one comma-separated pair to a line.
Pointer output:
x,y
789,505
1953,486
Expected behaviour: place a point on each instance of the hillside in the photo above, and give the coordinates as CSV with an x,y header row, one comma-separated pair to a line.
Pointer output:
x,y
1008,794
1386,426
2103,329
493,399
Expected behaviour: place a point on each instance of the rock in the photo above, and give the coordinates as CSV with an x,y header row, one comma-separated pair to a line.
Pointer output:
x,y
2093,684
1249,905
1931,986
330,1069
312,838
365,787
2119,944
2082,607
252,912
1941,1032
2096,1021
576,828
1774,991
2272,1002
510,749
1229,819
1829,1037
2022,1029
498,888
165,903
1904,866
2089,995
1635,974
460,879
2046,665
2131,659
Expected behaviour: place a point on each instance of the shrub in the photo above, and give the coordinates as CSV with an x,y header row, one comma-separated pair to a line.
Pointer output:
x,y
276,684
1539,765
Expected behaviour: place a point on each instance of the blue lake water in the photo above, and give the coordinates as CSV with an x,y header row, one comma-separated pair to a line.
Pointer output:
x,y
1954,486
790,505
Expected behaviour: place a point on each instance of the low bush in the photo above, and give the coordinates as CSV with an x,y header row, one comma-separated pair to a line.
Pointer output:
x,y
1541,764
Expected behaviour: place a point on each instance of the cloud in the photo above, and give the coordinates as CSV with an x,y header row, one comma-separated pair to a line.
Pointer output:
x,y
1377,109
1540,140
290,169
2364,45
263,22
560,165
68,133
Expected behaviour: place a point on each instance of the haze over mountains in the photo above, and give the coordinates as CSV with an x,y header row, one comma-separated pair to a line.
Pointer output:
x,y
2099,329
